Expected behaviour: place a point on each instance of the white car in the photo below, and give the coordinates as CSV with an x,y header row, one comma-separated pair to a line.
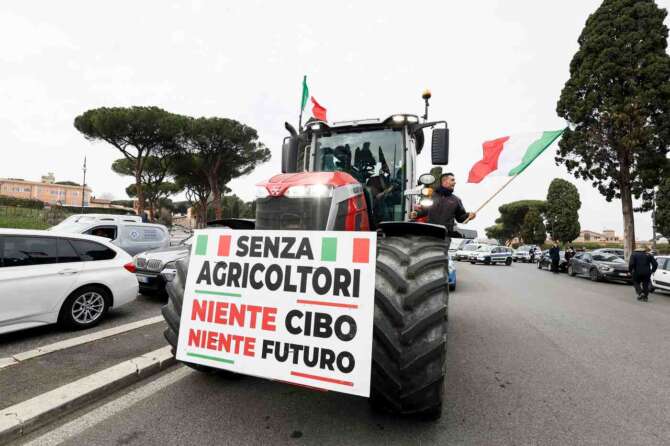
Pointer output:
x,y
490,255
660,280
126,233
49,276
465,252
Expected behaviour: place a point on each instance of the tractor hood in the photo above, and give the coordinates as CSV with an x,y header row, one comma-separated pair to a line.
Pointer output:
x,y
279,184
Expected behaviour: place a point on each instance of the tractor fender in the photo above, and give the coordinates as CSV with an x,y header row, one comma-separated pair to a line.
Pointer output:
x,y
396,228
233,223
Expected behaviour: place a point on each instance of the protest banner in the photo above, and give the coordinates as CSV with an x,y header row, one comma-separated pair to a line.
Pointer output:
x,y
294,306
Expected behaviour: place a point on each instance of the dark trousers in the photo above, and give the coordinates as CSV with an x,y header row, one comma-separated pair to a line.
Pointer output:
x,y
642,284
554,265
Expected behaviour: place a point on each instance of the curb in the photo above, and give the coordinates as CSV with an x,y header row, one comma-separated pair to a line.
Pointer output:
x,y
29,415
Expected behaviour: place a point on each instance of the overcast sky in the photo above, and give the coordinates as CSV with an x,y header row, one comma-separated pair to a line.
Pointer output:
x,y
494,67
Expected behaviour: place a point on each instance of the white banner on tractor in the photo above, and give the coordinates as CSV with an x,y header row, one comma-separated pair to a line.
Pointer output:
x,y
294,306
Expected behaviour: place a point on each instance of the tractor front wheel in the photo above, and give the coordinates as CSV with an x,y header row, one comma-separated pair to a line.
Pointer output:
x,y
410,326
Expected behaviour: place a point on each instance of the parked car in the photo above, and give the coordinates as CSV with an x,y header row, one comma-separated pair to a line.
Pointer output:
x,y
452,273
660,280
491,254
465,251
599,266
155,268
131,236
96,218
613,251
51,277
522,253
545,262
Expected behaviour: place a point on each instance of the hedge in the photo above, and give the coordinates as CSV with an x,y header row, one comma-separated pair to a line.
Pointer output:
x,y
21,202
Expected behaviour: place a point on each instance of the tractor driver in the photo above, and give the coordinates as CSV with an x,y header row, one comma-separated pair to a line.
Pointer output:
x,y
447,207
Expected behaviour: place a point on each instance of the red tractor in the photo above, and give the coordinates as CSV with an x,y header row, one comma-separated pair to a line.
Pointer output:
x,y
361,176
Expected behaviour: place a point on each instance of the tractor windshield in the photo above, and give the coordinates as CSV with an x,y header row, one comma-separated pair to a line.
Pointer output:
x,y
375,158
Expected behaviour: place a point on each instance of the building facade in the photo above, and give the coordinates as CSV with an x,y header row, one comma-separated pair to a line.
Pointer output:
x,y
46,190
606,236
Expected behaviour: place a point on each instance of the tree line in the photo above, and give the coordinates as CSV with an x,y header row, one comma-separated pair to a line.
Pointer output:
x,y
167,153
530,220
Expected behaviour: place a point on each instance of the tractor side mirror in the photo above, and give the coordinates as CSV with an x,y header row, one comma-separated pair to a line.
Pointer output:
x,y
289,155
440,147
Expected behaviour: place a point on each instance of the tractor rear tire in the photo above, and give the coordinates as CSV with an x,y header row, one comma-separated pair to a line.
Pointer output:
x,y
410,326
172,315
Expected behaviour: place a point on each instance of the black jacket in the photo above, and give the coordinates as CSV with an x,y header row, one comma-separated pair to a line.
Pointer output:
x,y
555,253
446,208
641,263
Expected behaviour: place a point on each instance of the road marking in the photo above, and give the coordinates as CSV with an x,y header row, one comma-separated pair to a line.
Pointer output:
x,y
79,340
27,416
79,425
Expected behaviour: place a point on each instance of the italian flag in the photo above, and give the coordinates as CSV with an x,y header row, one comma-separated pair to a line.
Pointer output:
x,y
510,155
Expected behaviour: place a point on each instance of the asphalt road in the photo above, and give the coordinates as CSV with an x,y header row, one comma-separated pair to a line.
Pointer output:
x,y
533,358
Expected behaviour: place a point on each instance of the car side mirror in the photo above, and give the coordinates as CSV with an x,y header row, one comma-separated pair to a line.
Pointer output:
x,y
439,147
289,155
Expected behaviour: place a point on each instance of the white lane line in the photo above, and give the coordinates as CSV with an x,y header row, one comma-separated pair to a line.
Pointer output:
x,y
79,340
29,415
79,425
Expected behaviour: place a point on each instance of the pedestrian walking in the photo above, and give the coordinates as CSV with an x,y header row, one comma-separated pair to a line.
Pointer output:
x,y
532,255
555,255
642,265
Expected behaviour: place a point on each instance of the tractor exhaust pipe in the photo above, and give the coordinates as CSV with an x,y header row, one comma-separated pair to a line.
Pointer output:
x,y
290,129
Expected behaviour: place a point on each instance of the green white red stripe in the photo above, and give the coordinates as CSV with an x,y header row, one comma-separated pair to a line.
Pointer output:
x,y
510,155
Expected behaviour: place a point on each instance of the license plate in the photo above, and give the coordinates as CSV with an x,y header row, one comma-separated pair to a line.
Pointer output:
x,y
143,279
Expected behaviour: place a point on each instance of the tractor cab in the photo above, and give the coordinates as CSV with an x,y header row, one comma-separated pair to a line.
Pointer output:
x,y
350,175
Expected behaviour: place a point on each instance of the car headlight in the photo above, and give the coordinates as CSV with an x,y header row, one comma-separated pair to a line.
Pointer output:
x,y
171,265
262,192
312,191
604,268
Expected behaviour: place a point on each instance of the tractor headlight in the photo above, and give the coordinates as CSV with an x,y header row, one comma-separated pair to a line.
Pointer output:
x,y
312,191
398,119
261,192
426,202
427,179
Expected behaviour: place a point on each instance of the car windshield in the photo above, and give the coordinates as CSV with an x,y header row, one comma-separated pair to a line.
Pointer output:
x,y
484,248
375,158
469,247
607,258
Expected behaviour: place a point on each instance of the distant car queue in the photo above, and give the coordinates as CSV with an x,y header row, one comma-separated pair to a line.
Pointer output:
x,y
603,264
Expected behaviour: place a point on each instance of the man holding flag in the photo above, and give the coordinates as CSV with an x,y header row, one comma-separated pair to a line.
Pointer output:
x,y
447,208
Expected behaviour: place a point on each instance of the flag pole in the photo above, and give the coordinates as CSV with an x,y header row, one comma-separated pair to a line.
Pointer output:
x,y
488,200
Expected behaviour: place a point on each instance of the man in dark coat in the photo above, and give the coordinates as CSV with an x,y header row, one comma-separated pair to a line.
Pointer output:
x,y
641,266
447,208
555,255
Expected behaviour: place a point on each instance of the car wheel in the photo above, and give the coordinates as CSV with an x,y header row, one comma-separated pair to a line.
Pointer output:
x,y
593,275
487,261
571,272
85,307
472,262
508,261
